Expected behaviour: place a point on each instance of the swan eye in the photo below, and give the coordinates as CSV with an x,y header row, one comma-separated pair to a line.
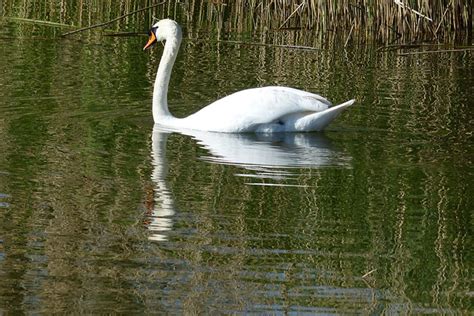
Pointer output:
x,y
151,39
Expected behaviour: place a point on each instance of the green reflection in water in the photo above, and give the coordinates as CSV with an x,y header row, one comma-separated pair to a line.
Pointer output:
x,y
79,200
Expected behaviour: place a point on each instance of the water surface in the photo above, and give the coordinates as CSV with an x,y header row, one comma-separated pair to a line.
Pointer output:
x,y
100,212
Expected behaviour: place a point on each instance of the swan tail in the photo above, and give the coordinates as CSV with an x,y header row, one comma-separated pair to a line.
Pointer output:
x,y
320,120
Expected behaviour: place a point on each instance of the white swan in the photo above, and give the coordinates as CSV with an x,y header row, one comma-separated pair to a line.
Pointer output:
x,y
267,109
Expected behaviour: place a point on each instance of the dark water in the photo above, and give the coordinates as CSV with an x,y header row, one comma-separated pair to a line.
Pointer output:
x,y
102,213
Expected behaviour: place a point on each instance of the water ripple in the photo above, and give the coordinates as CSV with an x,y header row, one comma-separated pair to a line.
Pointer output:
x,y
276,157
3,203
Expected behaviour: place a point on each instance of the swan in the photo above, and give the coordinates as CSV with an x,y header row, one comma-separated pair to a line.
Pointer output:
x,y
260,110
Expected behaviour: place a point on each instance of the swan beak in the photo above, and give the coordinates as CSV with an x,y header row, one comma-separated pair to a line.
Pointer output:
x,y
151,40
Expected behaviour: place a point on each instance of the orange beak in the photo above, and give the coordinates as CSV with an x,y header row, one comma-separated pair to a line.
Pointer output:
x,y
151,40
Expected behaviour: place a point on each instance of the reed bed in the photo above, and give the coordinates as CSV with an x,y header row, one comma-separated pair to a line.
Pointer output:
x,y
442,20
385,21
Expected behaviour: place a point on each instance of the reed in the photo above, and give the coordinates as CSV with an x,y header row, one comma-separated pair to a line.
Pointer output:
x,y
385,21
441,20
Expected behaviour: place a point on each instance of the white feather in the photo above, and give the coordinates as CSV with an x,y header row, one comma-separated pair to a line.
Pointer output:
x,y
262,110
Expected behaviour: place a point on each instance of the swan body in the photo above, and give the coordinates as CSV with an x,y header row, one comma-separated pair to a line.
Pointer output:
x,y
260,110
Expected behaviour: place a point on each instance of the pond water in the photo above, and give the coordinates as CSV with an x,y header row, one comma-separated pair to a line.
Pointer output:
x,y
101,212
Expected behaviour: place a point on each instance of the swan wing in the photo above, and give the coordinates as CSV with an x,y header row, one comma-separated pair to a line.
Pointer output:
x,y
246,110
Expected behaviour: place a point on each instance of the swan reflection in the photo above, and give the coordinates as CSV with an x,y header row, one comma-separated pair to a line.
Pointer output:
x,y
273,157
287,150
160,217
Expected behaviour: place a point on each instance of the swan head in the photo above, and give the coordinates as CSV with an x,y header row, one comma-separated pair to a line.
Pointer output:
x,y
163,30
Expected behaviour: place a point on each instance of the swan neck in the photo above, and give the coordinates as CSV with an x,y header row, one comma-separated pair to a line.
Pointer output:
x,y
160,91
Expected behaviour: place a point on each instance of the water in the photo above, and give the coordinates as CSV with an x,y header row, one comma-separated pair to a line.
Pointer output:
x,y
100,212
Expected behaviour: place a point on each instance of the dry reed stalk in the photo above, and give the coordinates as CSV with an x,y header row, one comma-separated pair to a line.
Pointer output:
x,y
401,20
437,51
296,10
369,273
111,21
